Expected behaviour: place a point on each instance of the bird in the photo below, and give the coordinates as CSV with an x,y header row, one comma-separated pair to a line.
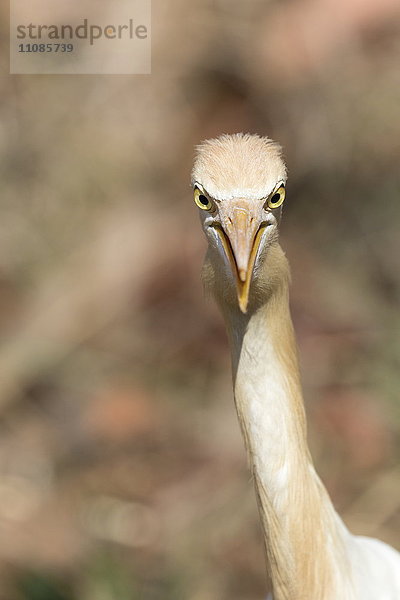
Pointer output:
x,y
239,186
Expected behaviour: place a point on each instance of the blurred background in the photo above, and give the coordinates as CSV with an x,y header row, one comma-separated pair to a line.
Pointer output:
x,y
122,470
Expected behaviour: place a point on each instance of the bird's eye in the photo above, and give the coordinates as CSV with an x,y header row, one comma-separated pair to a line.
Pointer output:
x,y
277,198
201,200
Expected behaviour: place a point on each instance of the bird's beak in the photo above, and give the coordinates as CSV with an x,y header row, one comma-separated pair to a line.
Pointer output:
x,y
240,235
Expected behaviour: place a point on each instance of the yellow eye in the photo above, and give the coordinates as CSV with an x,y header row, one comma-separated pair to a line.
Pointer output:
x,y
201,200
277,198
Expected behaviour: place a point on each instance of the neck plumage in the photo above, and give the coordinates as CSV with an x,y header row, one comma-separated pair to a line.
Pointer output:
x,y
304,538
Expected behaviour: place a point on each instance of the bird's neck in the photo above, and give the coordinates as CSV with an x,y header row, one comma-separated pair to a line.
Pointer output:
x,y
305,539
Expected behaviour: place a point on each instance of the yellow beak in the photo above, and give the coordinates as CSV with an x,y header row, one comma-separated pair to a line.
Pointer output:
x,y
240,237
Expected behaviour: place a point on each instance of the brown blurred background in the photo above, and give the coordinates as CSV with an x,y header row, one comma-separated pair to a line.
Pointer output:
x,y
122,470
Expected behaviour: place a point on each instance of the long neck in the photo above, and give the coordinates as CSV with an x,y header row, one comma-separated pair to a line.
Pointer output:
x,y
304,538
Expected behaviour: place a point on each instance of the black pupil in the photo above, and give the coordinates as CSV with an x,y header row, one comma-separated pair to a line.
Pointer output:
x,y
203,199
275,198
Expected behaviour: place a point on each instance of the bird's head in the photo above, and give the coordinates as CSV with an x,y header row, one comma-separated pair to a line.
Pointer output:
x,y
239,186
